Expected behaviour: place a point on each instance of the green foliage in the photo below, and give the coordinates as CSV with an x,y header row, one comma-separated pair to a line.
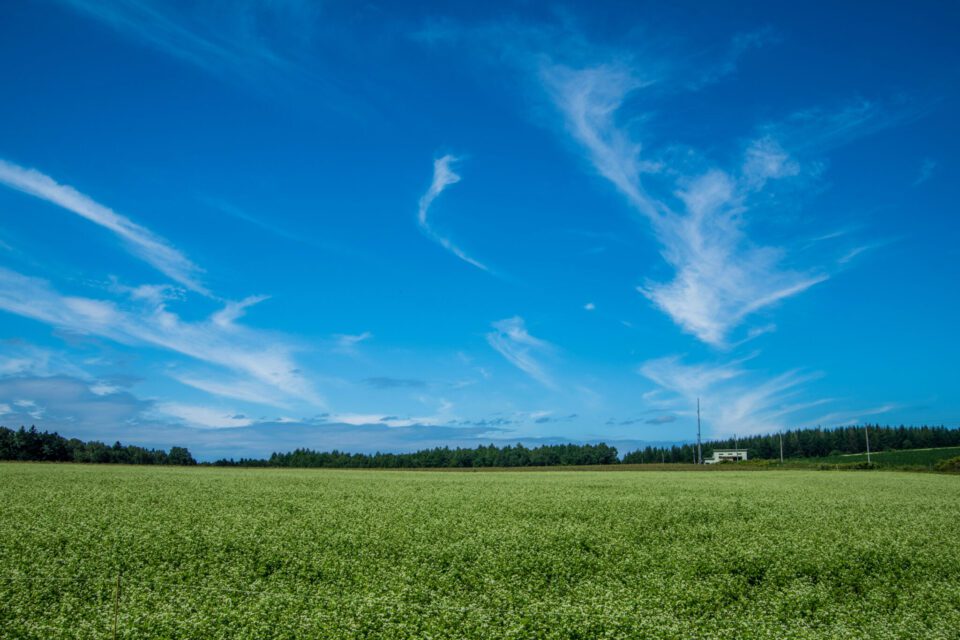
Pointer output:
x,y
686,453
31,445
180,455
950,465
810,443
442,457
917,458
216,553
847,466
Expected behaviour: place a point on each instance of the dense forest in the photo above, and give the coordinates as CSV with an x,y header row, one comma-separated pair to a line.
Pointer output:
x,y
41,446
809,443
31,444
800,443
482,456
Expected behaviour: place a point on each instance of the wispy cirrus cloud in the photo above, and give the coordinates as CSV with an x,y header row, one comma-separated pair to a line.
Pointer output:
x,y
721,276
260,367
927,168
139,240
233,387
201,416
511,339
66,400
735,399
385,382
739,400
264,46
234,310
246,38
443,177
347,342
855,416
816,130
765,159
853,253
218,340
728,61
367,419
700,217
589,98
294,236
20,358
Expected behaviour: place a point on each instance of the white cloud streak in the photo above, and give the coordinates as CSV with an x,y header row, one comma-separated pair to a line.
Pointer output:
x,y
19,358
216,42
234,388
926,171
733,400
766,159
818,130
233,311
739,45
66,401
721,277
589,99
854,416
202,417
443,177
347,343
140,241
217,340
511,339
370,419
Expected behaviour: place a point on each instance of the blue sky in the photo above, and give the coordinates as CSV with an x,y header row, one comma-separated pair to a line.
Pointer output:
x,y
250,226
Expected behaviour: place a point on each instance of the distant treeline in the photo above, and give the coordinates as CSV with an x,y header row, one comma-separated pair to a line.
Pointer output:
x,y
31,444
42,446
809,443
482,456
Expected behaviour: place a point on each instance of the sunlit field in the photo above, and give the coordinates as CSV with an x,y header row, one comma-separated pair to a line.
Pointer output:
x,y
257,553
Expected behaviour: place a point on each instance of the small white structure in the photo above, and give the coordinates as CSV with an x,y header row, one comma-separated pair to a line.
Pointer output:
x,y
727,455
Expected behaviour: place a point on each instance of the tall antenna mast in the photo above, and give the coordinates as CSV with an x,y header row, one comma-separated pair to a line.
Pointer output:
x,y
699,451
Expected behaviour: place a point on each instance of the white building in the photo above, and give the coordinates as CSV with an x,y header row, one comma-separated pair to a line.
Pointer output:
x,y
726,455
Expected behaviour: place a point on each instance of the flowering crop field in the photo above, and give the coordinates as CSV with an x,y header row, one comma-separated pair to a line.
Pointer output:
x,y
264,553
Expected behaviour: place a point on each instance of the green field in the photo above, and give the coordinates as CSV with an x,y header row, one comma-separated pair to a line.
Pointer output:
x,y
926,458
262,553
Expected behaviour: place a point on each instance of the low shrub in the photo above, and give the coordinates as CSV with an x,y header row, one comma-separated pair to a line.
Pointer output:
x,y
950,465
847,466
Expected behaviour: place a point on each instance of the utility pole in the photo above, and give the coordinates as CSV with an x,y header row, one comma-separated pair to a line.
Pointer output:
x,y
699,450
781,447
866,430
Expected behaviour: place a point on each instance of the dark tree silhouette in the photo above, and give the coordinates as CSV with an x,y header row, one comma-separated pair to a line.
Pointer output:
x,y
42,446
